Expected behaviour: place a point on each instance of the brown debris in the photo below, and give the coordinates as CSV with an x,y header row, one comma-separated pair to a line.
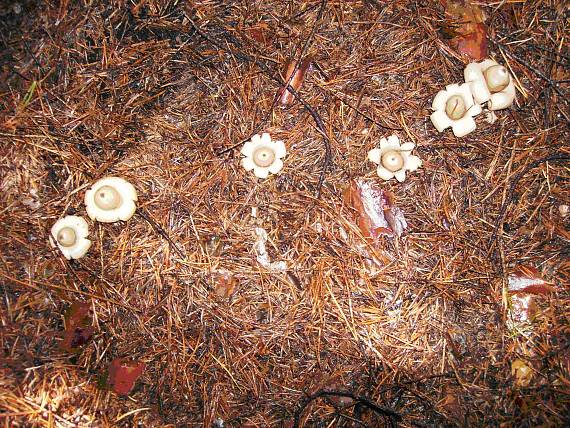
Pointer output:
x,y
224,283
78,329
123,374
375,212
465,28
294,73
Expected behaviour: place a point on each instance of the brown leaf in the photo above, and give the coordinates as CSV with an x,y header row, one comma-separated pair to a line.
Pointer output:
x,y
78,329
465,28
224,282
260,33
524,284
521,372
123,374
375,212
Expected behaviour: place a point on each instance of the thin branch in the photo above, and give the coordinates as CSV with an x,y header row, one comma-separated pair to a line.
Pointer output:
x,y
363,401
142,212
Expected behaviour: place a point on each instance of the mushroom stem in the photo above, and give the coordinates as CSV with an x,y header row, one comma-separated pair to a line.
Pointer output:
x,y
497,78
107,198
66,237
455,107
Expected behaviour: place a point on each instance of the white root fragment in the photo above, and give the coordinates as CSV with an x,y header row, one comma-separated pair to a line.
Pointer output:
x,y
262,255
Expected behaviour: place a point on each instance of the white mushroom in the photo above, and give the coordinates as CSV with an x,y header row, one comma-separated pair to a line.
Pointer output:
x,y
490,82
69,234
262,155
111,199
454,106
393,159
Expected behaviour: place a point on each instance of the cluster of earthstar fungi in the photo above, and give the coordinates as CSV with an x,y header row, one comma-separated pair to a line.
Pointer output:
x,y
263,156
456,105
109,200
112,198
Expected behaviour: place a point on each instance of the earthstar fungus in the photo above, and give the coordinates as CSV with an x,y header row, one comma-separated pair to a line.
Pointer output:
x,y
263,155
454,106
490,82
111,199
393,159
70,235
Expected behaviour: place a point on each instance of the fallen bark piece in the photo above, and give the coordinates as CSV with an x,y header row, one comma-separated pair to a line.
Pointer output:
x,y
465,28
374,210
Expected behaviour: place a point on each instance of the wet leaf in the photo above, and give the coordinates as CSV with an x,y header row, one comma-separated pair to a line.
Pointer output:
x,y
465,29
123,374
527,279
374,209
78,329
524,284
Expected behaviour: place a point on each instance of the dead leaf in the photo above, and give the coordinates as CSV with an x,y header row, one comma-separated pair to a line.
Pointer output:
x,y
524,284
224,282
465,28
522,373
123,374
375,212
213,246
78,329
261,34
451,404
527,279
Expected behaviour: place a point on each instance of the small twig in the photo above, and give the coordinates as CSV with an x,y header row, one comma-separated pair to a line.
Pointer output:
x,y
538,47
514,183
161,232
542,48
363,401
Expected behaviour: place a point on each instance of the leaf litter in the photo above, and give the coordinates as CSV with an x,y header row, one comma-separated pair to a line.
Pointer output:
x,y
165,94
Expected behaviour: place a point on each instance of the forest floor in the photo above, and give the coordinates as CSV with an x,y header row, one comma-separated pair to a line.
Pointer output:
x,y
420,329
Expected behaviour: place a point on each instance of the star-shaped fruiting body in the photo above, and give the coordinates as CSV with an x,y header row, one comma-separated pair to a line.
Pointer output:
x,y
490,83
263,155
454,106
393,159
111,199
69,234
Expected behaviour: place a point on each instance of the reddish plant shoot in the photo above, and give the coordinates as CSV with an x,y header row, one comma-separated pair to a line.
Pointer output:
x,y
287,98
